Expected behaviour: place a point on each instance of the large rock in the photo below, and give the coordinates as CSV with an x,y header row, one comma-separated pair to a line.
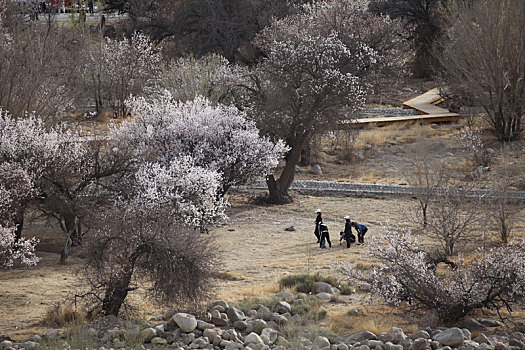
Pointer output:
x,y
271,334
222,303
491,323
316,169
324,296
452,337
240,325
321,342
159,341
256,326
473,325
253,338
323,287
420,334
421,344
235,314
359,337
146,334
482,339
280,319
282,307
186,322
394,335
264,313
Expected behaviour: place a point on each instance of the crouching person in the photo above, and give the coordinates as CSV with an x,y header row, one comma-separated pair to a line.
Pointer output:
x,y
361,231
323,230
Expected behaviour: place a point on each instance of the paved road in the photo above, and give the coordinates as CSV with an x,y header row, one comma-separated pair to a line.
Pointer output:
x,y
334,187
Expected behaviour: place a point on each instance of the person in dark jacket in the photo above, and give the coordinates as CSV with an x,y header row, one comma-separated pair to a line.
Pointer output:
x,y
347,234
361,230
325,236
318,220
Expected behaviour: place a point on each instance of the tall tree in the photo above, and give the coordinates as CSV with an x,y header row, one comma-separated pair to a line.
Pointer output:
x,y
316,69
424,20
483,58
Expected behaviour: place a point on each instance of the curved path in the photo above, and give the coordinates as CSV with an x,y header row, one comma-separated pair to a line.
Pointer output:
x,y
336,187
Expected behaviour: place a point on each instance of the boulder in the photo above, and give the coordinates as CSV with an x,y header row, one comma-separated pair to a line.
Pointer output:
x,y
202,325
485,347
490,322
282,307
29,345
358,337
271,334
235,314
374,343
222,303
316,169
323,287
420,334
482,339
421,344
240,325
323,296
452,337
186,322
321,342
466,334
394,335
342,347
253,338
280,319
256,326
473,325
264,313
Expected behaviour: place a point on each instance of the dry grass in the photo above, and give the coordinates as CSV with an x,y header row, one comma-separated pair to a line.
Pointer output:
x,y
259,291
61,315
377,320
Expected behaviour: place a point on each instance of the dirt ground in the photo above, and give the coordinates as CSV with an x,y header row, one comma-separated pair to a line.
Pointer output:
x,y
256,249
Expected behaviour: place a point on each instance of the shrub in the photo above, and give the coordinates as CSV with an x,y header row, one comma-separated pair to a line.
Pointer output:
x,y
490,279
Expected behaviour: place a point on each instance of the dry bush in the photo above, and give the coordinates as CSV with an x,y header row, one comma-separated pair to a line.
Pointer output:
x,y
61,315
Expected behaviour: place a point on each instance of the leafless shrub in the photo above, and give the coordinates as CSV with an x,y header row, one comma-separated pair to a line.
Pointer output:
x,y
138,246
489,279
455,214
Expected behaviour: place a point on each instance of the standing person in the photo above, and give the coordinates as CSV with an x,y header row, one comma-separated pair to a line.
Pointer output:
x,y
318,220
347,233
90,6
323,230
361,230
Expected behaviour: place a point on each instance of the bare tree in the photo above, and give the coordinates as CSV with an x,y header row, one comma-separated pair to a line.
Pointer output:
x,y
483,57
37,62
426,177
455,214
502,207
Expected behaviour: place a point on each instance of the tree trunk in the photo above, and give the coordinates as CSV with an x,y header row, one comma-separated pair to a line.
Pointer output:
x,y
115,295
278,189
118,290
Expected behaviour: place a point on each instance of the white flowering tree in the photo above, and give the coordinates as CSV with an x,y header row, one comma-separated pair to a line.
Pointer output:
x,y
211,76
115,70
315,71
151,237
218,138
489,279
16,187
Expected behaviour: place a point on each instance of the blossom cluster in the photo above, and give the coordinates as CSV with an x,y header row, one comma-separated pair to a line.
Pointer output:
x,y
218,138
476,146
492,278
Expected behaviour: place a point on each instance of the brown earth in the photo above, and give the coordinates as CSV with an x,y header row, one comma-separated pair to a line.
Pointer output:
x,y
256,250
